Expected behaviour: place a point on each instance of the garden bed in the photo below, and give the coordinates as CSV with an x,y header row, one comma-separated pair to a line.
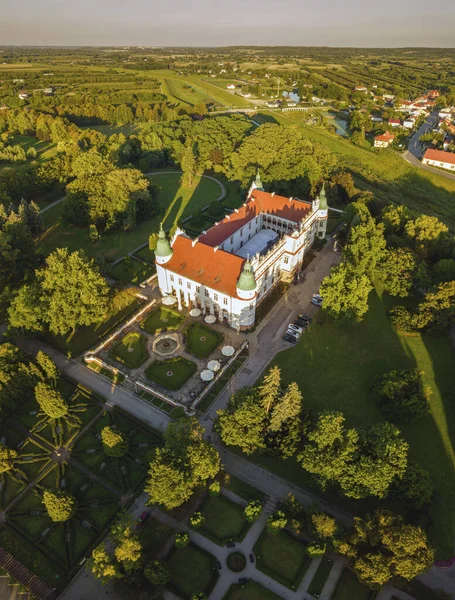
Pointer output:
x,y
171,373
201,341
162,319
320,577
224,520
193,570
131,350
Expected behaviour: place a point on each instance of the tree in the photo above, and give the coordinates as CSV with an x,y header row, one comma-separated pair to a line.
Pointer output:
x,y
415,487
128,550
73,291
276,521
424,229
48,367
401,395
197,520
188,164
381,548
325,527
158,572
102,565
270,388
182,539
444,270
50,400
199,596
366,245
437,307
243,422
285,424
395,270
253,510
60,505
345,294
114,442
186,462
7,458
26,310
214,488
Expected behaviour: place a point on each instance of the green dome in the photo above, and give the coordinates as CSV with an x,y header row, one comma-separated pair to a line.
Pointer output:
x,y
246,282
258,182
323,199
163,247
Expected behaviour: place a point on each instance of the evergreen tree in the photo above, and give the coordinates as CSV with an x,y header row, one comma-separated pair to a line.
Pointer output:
x,y
50,400
270,388
60,505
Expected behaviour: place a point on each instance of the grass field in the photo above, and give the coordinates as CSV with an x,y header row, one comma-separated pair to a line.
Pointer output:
x,y
241,488
349,587
162,319
131,350
171,373
249,591
336,365
224,520
281,557
176,201
192,570
181,91
154,536
320,577
132,270
201,341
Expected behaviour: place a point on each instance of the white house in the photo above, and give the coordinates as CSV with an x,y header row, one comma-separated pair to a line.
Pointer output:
x,y
384,140
230,268
409,122
439,158
230,86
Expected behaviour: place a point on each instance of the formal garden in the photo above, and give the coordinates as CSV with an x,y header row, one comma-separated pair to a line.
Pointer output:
x,y
70,470
224,520
251,590
193,570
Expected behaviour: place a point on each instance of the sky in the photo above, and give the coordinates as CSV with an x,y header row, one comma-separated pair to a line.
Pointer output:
x,y
361,23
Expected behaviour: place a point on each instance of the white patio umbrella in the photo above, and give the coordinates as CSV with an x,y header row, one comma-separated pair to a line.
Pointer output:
x,y
214,365
195,312
210,319
168,300
207,375
227,350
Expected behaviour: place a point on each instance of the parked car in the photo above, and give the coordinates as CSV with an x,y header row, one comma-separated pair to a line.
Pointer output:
x,y
289,338
295,328
300,323
293,332
317,296
142,520
251,557
316,301
304,318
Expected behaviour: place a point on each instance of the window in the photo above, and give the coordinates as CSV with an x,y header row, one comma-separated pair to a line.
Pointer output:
x,y
206,292
180,281
232,239
241,232
171,277
188,285
225,301
215,297
286,260
198,289
251,306
249,225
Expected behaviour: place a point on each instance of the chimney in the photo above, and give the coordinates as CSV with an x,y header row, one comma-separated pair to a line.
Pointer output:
x,y
194,242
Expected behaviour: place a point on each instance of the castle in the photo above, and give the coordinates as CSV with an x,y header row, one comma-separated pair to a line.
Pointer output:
x,y
230,268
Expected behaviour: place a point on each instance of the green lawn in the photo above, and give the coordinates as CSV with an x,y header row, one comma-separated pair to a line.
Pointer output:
x,y
116,378
201,341
162,319
336,365
224,520
181,91
250,591
132,270
131,350
192,570
171,373
176,201
281,557
241,488
87,336
349,587
154,536
320,577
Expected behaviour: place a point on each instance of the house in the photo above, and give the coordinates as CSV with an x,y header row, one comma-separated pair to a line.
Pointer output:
x,y
409,122
376,119
360,88
394,122
228,270
439,158
383,140
23,95
432,94
230,86
447,112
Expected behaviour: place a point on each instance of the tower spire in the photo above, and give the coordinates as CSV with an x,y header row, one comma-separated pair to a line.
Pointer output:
x,y
258,182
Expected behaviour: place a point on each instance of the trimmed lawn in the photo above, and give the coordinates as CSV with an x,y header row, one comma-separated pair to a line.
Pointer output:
x,y
192,570
250,591
282,557
202,341
132,271
117,378
224,520
131,351
320,577
241,488
162,319
87,336
336,366
154,536
171,373
349,587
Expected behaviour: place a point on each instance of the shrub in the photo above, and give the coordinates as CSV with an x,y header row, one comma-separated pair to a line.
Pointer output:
x,y
276,522
60,505
7,458
252,512
401,319
324,526
401,395
50,400
315,549
114,443
197,520
158,573
214,488
182,539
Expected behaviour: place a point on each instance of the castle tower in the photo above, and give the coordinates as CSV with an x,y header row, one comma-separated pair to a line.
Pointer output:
x,y
256,184
323,211
163,250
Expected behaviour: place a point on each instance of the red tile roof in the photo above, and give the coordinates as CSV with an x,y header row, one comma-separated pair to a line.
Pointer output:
x,y
385,137
440,155
217,270
395,121
259,202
